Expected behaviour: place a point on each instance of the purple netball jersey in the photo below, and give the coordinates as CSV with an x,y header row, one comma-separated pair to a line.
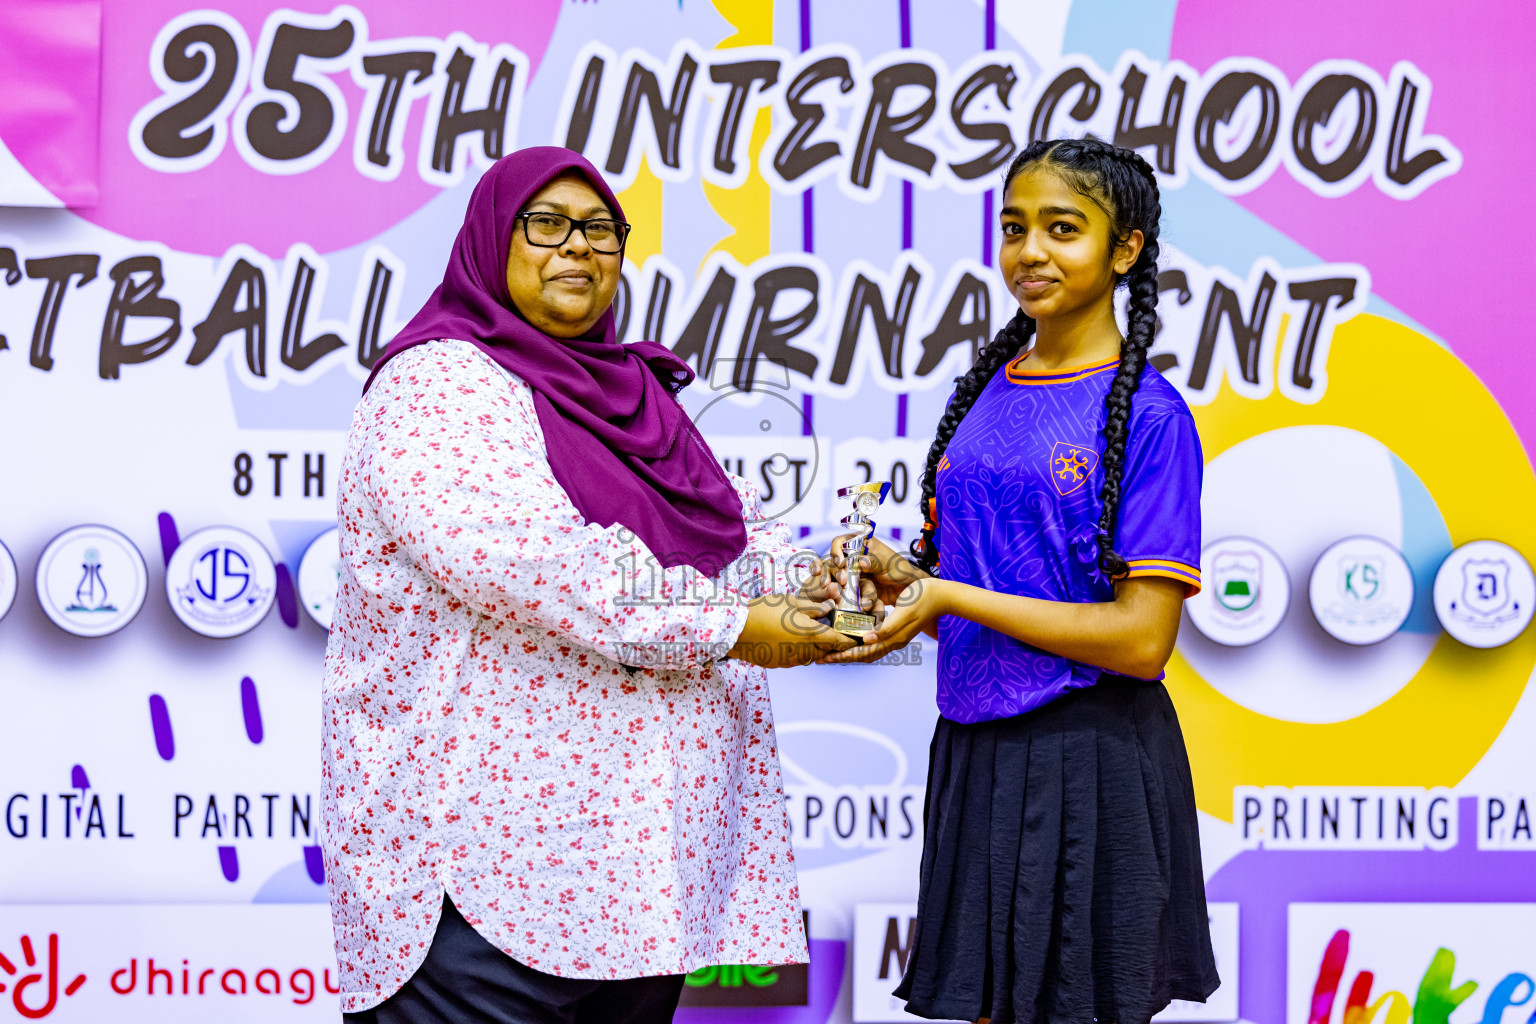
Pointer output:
x,y
1018,497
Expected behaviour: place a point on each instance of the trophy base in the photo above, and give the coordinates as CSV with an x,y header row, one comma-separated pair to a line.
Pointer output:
x,y
854,624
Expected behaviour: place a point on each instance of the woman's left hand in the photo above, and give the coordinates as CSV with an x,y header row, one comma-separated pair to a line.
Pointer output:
x,y
916,611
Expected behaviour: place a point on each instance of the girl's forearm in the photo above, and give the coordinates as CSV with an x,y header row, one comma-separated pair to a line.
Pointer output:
x,y
1132,635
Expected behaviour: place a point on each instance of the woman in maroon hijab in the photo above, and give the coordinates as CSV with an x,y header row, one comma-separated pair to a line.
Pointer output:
x,y
551,783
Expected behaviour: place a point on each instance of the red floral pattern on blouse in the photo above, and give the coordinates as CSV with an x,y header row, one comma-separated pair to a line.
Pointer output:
x,y
483,736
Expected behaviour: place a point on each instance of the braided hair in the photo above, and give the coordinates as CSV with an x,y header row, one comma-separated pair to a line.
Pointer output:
x,y
1124,185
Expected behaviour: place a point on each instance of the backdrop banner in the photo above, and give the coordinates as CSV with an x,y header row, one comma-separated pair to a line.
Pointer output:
x,y
216,217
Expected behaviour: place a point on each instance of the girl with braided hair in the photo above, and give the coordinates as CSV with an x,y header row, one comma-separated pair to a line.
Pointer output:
x,y
1060,876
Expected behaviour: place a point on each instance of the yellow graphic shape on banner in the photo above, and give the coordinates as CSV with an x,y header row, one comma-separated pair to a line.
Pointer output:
x,y
1423,404
746,209
642,204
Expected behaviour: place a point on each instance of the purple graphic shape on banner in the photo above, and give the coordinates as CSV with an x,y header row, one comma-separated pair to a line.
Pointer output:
x,y
229,863
170,537
287,599
986,228
250,707
50,122
1265,882
78,778
314,863
826,979
160,720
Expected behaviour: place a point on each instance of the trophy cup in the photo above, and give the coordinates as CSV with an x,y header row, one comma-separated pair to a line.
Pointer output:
x,y
849,619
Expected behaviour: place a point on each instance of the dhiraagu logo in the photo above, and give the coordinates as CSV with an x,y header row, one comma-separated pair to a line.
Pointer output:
x,y
1377,963
35,981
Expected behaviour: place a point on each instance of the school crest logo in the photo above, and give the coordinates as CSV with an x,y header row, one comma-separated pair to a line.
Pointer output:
x,y
221,582
1360,578
91,580
1484,593
1238,577
320,576
1071,466
1485,590
7,580
1246,594
1361,590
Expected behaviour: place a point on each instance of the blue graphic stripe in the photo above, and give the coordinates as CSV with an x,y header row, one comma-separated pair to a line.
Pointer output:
x,y
1104,29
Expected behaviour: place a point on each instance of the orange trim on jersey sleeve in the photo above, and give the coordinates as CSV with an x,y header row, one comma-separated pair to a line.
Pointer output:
x,y
1186,574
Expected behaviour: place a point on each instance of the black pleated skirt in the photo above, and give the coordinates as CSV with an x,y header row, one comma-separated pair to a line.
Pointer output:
x,y
1061,875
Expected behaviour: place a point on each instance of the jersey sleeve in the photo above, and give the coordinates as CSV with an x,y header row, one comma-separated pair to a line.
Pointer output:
x,y
1158,533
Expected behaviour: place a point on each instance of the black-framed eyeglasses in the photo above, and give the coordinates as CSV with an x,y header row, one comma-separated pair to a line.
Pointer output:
x,y
550,230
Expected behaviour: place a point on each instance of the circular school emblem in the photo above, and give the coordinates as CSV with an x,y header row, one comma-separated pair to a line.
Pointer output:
x,y
1246,594
320,576
7,580
221,582
91,580
1361,590
1484,594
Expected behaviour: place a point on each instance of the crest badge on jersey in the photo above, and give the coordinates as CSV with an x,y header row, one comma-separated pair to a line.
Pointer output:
x,y
1071,466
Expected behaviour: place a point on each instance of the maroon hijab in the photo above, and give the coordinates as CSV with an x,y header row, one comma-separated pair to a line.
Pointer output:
x,y
618,441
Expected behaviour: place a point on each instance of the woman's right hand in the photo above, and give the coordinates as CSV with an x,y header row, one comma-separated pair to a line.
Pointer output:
x,y
890,572
782,631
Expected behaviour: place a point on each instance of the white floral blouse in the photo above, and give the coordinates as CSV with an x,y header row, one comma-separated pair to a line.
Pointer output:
x,y
483,736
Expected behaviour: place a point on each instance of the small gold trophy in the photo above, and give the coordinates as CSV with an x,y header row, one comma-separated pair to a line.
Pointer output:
x,y
866,498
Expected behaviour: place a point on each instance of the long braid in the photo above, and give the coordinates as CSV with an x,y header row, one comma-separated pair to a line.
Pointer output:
x,y
1141,325
1008,342
1125,185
